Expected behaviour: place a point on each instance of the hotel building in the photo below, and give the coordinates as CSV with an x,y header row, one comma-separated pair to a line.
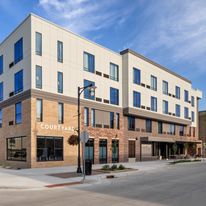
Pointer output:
x,y
140,110
202,130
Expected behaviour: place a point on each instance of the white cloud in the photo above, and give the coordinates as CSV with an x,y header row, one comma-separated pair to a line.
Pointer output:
x,y
82,16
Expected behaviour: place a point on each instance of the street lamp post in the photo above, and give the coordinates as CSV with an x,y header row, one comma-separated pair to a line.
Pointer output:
x,y
91,88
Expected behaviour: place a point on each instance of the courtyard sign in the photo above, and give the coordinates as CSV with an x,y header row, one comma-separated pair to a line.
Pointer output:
x,y
57,127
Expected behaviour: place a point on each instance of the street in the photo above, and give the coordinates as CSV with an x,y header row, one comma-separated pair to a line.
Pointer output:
x,y
177,185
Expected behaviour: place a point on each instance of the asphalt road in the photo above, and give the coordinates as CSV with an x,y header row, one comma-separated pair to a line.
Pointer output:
x,y
179,185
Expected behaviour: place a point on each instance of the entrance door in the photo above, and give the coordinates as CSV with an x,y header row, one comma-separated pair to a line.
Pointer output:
x,y
102,151
115,150
89,150
132,149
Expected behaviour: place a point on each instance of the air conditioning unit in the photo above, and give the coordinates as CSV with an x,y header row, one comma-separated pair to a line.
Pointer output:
x,y
11,94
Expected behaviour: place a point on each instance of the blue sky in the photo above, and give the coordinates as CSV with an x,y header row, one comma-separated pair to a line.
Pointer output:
x,y
172,32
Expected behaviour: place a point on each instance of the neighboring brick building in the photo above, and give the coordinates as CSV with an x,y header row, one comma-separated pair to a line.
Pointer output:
x,y
140,109
202,130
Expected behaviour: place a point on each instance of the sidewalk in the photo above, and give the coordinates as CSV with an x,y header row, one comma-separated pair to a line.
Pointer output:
x,y
38,178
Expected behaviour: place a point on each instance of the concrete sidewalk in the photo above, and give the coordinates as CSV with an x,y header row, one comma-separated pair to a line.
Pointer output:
x,y
38,178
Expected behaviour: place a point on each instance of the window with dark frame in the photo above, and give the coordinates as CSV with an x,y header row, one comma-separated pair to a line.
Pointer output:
x,y
18,51
114,96
131,123
1,91
153,83
60,51
38,77
49,148
117,121
86,116
136,76
103,151
60,82
112,120
114,72
1,118
1,64
18,113
38,43
160,127
39,110
60,113
89,62
18,82
16,149
148,125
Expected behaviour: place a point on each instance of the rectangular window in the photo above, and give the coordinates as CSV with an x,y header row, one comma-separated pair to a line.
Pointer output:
x,y
87,91
165,87
114,72
136,76
60,82
131,123
186,95
38,77
1,91
117,121
18,82
114,96
181,130
1,118
136,99
153,83
1,64
154,104
165,107
177,92
193,116
131,148
102,151
186,113
172,129
93,118
60,113
49,148
16,149
177,108
18,51
148,125
59,51
86,116
39,110
160,127
192,101
18,113
38,43
89,62
112,120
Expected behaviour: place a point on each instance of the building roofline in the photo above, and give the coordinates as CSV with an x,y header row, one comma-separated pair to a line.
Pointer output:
x,y
202,111
154,63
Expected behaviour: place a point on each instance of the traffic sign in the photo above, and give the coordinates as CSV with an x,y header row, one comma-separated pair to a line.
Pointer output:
x,y
84,136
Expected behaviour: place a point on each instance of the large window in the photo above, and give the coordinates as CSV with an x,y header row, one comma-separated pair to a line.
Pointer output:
x,y
186,112
177,108
86,116
60,82
16,149
181,130
1,91
112,120
172,129
102,151
136,99
1,118
39,110
1,64
153,83
18,51
114,96
186,96
93,122
59,51
89,62
18,113
148,123
154,104
177,92
60,113
165,87
38,43
49,148
136,76
18,82
38,77
131,123
165,107
114,72
87,92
